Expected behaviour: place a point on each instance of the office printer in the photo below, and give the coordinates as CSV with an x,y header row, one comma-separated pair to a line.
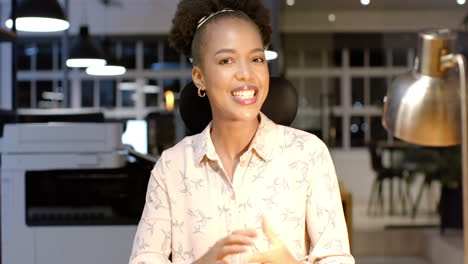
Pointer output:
x,y
70,193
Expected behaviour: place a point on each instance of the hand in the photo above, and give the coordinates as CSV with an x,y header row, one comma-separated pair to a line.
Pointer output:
x,y
235,243
278,253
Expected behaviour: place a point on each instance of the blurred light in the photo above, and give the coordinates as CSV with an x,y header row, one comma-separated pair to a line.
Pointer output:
x,y
365,2
38,24
357,104
54,96
30,51
290,2
169,97
151,89
83,63
270,55
131,86
354,128
127,86
331,17
461,2
364,126
107,70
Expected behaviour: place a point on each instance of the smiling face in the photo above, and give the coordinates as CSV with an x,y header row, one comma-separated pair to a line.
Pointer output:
x,y
233,70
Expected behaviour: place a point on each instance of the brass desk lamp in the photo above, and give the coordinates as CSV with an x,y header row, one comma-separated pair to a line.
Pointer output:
x,y
428,106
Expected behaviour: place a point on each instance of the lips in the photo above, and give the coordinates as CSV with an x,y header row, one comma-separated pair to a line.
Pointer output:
x,y
245,94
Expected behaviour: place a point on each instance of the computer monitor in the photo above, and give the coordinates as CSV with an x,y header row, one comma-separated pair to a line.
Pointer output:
x,y
136,135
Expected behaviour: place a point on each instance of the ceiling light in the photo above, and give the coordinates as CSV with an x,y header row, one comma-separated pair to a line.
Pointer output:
x,y
113,66
331,17
84,52
270,55
106,70
365,2
461,2
290,2
39,16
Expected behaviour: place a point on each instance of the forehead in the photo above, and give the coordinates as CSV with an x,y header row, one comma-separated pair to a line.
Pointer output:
x,y
231,32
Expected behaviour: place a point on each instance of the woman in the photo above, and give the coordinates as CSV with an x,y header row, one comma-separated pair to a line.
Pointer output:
x,y
245,190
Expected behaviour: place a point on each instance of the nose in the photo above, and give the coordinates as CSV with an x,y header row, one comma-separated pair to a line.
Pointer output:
x,y
244,71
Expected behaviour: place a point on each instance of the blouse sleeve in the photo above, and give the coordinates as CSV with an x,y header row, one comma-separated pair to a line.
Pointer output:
x,y
152,242
325,220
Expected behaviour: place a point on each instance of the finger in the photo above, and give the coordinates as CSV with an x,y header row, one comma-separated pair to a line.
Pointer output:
x,y
246,232
263,257
268,230
238,240
222,261
231,250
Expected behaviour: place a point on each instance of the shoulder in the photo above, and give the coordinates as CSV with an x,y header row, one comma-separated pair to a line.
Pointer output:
x,y
183,148
177,155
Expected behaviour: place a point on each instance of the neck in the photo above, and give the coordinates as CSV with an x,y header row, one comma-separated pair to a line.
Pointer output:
x,y
232,138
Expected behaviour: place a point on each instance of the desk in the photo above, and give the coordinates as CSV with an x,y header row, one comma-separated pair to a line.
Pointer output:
x,y
411,159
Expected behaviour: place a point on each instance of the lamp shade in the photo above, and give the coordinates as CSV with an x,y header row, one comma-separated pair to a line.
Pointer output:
x,y
423,106
112,68
39,16
84,52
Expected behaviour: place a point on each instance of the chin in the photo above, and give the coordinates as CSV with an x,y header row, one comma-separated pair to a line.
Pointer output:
x,y
248,115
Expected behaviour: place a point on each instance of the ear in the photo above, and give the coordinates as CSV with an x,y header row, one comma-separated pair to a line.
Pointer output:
x,y
197,78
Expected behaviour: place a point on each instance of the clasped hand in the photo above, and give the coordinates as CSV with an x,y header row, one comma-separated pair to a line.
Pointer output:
x,y
239,241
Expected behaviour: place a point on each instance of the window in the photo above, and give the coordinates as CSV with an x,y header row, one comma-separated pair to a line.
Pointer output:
x,y
356,57
357,128
128,54
24,93
87,93
152,92
42,87
107,93
378,90
357,91
151,58
377,58
44,56
171,59
340,87
25,53
399,57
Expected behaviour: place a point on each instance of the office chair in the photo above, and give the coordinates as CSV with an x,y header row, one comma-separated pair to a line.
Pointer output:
x,y
280,105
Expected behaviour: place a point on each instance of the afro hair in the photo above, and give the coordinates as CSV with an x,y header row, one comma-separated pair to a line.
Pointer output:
x,y
189,12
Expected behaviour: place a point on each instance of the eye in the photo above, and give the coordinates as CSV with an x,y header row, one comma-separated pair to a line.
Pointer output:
x,y
259,60
226,61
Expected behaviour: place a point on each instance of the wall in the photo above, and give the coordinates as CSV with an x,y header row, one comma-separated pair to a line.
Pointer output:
x,y
371,21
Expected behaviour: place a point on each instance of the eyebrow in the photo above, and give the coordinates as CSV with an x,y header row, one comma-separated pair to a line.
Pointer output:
x,y
233,51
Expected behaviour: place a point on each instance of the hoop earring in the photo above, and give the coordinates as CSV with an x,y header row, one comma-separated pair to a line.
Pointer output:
x,y
200,92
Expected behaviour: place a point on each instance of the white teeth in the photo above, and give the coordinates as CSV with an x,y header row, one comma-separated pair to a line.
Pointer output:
x,y
244,94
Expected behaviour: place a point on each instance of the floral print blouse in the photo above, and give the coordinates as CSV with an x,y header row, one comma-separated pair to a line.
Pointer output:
x,y
286,175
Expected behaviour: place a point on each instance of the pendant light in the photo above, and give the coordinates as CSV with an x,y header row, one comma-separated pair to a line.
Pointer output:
x,y
84,52
106,70
113,66
39,16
